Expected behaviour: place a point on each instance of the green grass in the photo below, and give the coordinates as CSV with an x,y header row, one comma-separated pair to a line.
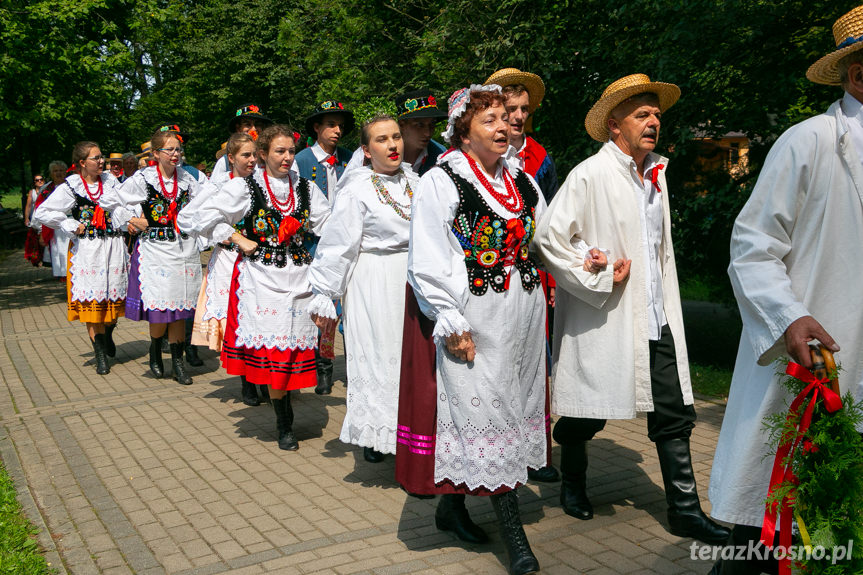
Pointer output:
x,y
19,550
710,381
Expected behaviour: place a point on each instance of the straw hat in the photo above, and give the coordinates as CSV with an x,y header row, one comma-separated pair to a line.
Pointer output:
x,y
509,76
222,151
848,34
617,92
114,157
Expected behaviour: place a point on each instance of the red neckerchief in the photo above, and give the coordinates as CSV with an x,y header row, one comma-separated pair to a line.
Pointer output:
x,y
654,176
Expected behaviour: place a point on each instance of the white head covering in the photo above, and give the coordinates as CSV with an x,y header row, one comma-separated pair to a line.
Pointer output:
x,y
458,103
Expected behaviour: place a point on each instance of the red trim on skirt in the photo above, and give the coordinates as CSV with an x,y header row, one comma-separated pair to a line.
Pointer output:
x,y
417,420
289,369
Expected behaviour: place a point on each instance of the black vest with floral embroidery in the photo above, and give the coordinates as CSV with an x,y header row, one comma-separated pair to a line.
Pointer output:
x,y
83,212
160,226
482,234
262,226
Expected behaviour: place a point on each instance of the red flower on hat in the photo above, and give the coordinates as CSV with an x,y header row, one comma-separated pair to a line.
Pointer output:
x,y
432,101
296,136
341,107
254,109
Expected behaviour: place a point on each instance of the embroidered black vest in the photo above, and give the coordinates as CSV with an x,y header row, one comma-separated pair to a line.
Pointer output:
x,y
83,212
160,226
262,226
482,234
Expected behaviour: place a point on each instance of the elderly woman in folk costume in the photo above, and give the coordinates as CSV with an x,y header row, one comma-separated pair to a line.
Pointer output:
x,y
483,425
211,311
165,275
56,240
97,260
362,256
270,337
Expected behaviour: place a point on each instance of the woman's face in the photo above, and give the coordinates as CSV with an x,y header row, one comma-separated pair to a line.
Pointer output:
x,y
169,155
93,164
488,137
280,156
385,147
244,160
58,174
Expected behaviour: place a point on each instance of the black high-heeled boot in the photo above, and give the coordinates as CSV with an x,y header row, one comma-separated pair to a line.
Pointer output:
x,y
521,559
451,515
250,394
157,368
284,423
685,517
192,355
180,375
573,486
99,351
110,348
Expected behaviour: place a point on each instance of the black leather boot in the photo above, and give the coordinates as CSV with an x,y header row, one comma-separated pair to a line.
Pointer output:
x,y
521,559
99,351
157,368
192,356
372,456
685,517
265,393
452,515
284,423
180,375
250,394
749,538
547,474
110,348
573,486
325,376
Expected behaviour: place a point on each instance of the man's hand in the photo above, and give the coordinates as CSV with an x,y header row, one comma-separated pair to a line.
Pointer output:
x,y
595,261
621,271
800,333
323,323
461,346
137,225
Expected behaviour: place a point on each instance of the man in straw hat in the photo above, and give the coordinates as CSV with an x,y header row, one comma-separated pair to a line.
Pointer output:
x,y
524,93
796,242
618,339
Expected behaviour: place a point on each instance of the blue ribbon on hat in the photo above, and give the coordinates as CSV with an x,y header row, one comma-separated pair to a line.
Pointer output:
x,y
849,41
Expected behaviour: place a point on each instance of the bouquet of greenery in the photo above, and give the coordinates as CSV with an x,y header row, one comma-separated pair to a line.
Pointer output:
x,y
817,474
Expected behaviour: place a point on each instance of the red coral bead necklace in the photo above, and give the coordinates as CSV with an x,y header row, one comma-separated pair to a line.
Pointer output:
x,y
512,200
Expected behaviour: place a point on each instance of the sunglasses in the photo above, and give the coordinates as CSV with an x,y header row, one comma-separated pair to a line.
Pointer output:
x,y
38,180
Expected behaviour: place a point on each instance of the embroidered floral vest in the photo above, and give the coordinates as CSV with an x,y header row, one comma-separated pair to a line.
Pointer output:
x,y
83,212
160,226
262,226
483,236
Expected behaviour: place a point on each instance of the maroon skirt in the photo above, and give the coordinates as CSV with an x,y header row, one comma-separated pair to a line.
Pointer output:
x,y
417,420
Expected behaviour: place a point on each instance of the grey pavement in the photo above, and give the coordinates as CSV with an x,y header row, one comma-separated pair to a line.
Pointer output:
x,y
127,474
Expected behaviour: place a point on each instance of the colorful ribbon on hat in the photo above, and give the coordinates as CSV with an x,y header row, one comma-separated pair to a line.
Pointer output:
x,y
783,471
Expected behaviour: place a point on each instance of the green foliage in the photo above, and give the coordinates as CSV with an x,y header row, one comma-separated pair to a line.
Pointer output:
x,y
19,551
709,380
829,495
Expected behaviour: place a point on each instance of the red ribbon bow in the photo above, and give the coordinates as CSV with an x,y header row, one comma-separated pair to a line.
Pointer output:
x,y
172,215
654,176
287,228
331,160
783,471
98,220
515,232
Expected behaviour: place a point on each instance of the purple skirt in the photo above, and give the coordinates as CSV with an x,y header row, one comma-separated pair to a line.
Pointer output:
x,y
135,309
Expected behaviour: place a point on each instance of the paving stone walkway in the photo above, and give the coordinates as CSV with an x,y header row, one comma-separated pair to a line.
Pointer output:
x,y
127,474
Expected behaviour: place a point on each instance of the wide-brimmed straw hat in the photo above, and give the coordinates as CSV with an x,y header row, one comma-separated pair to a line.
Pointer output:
x,y
114,156
617,92
510,76
848,34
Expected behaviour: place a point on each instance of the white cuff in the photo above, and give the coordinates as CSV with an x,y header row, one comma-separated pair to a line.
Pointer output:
x,y
70,226
120,218
222,232
449,322
322,306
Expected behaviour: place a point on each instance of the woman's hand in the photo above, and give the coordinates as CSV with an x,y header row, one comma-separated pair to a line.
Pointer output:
x,y
246,245
461,346
81,229
137,225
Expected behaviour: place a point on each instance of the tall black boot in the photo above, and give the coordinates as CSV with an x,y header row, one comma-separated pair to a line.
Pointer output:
x,y
521,559
99,351
265,393
180,375
452,515
250,395
685,517
157,368
192,355
573,487
110,348
284,423
325,375
749,538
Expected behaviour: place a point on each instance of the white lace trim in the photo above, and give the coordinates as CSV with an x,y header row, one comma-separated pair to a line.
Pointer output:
x,y
323,306
449,321
184,179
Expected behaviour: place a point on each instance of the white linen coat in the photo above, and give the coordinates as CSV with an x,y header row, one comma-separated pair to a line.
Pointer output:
x,y
601,339
796,250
